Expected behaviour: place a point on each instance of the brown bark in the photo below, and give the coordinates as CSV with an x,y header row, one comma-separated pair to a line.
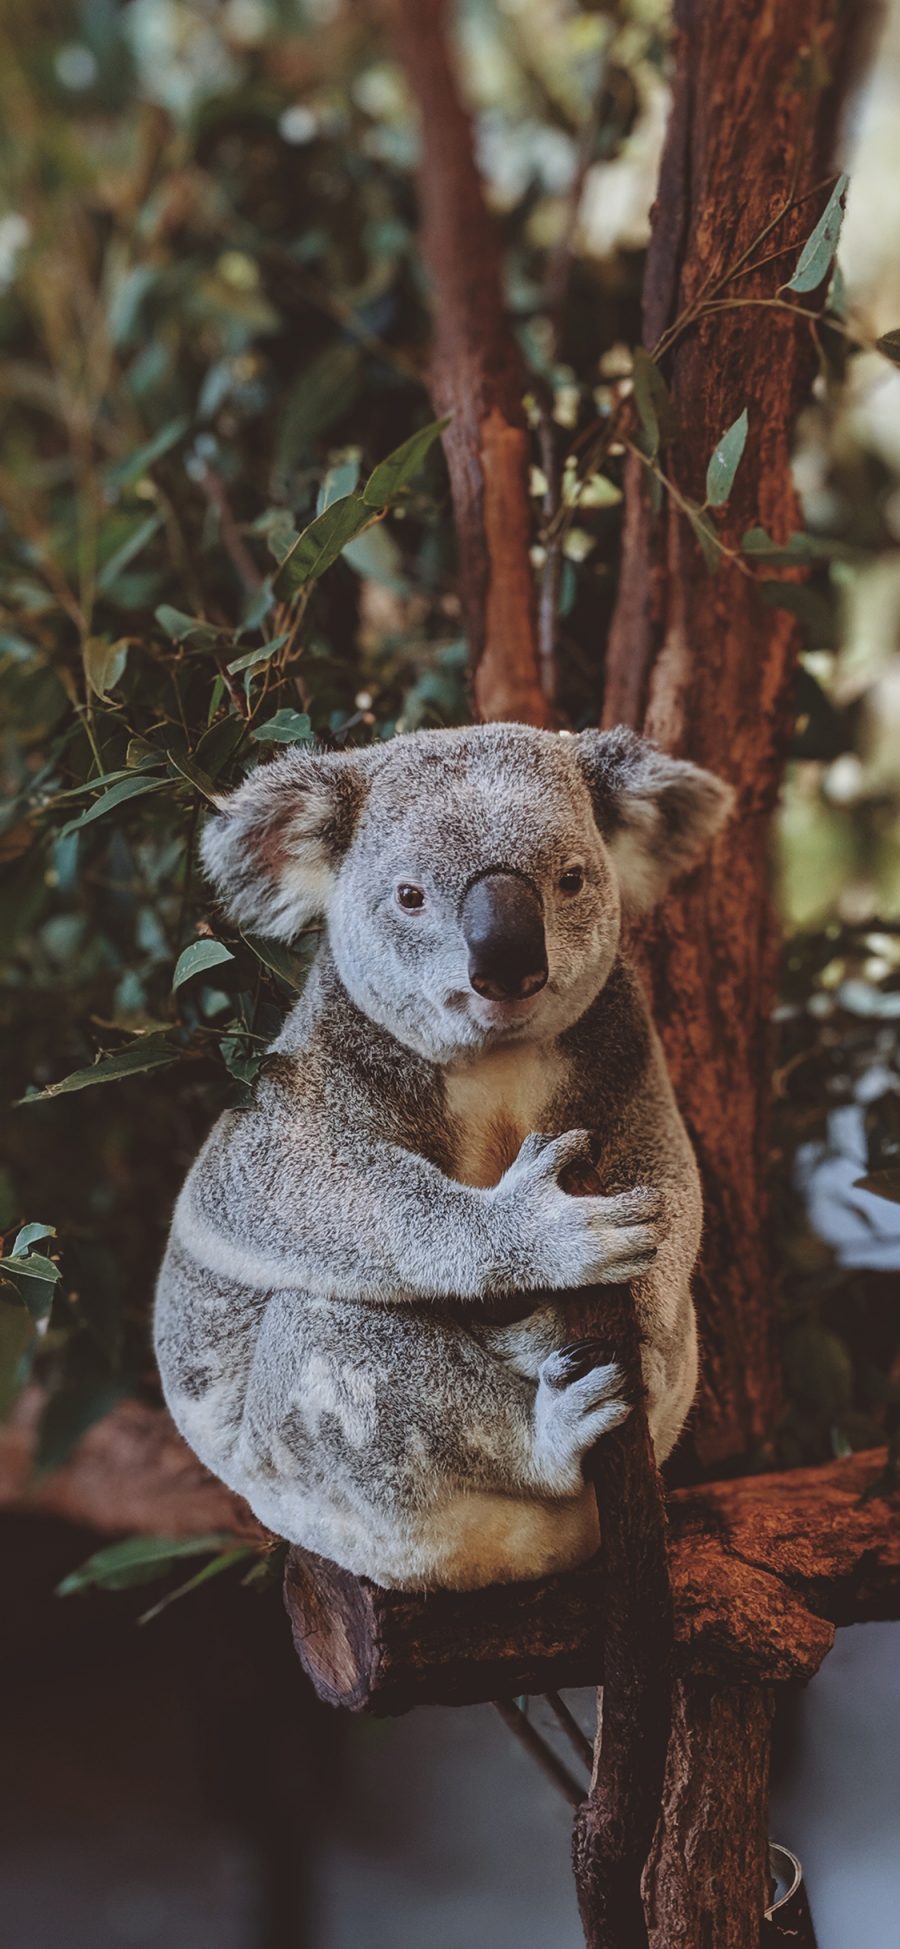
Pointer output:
x,y
762,1569
614,1825
706,1884
477,376
698,661
130,1472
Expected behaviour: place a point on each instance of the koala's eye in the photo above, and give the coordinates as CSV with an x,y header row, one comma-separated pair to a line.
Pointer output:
x,y
410,898
572,880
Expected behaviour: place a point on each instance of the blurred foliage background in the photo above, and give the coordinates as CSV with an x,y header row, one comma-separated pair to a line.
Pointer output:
x,y
212,330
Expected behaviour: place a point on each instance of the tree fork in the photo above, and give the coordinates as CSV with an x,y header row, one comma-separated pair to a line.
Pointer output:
x,y
477,376
697,661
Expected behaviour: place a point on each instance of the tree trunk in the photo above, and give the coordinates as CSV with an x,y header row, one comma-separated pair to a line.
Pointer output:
x,y
697,660
706,1884
477,376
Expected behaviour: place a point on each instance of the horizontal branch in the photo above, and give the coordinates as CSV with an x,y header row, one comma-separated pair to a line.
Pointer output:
x,y
762,1570
130,1473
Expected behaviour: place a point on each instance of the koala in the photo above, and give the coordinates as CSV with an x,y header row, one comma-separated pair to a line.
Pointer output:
x,y
327,1323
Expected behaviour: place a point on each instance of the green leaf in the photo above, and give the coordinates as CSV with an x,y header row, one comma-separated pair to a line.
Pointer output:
x,y
261,654
885,1184
290,966
653,401
340,480
190,630
238,1553
147,1052
286,727
126,472
321,543
724,462
135,786
140,1559
392,476
194,774
104,663
197,958
889,344
29,1235
817,255
219,743
706,536
143,532
33,1277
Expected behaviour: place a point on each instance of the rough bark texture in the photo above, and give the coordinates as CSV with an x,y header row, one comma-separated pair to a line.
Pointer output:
x,y
762,1569
477,376
614,1825
698,661
706,1884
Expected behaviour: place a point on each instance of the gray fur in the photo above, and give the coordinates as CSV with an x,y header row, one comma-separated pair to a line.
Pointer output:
x,y
327,1311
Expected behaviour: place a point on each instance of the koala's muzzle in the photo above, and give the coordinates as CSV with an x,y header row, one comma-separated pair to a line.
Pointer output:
x,y
503,926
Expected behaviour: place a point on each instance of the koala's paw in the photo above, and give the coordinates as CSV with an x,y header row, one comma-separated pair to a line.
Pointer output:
x,y
578,1401
577,1241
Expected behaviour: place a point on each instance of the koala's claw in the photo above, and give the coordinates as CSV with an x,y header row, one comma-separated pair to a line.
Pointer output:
x,y
572,1362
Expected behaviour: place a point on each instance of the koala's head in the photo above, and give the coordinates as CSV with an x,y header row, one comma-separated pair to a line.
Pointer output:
x,y
473,881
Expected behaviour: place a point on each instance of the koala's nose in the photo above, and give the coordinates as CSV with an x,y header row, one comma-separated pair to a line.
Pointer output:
x,y
503,925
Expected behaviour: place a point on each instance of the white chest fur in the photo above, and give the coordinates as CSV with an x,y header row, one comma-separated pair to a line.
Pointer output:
x,y
494,1102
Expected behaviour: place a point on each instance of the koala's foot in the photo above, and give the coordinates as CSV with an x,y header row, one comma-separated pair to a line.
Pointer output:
x,y
578,1400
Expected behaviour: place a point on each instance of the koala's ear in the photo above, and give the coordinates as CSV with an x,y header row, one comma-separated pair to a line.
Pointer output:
x,y
657,814
272,848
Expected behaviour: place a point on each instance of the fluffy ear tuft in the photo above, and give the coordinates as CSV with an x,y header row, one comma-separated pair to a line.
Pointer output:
x,y
272,849
657,814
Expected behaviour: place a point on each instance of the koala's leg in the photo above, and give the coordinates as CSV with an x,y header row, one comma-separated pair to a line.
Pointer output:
x,y
400,1447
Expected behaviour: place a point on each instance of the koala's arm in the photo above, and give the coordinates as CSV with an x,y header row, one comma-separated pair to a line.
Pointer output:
x,y
352,1216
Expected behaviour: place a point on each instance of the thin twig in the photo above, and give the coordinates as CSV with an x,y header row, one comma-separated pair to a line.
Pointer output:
x,y
530,1738
577,1739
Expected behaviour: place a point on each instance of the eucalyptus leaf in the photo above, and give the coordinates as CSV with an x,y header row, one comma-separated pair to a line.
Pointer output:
x,y
104,663
707,538
286,727
321,543
139,1559
136,785
653,401
30,1235
126,472
393,475
817,255
198,959
148,1052
190,630
726,459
